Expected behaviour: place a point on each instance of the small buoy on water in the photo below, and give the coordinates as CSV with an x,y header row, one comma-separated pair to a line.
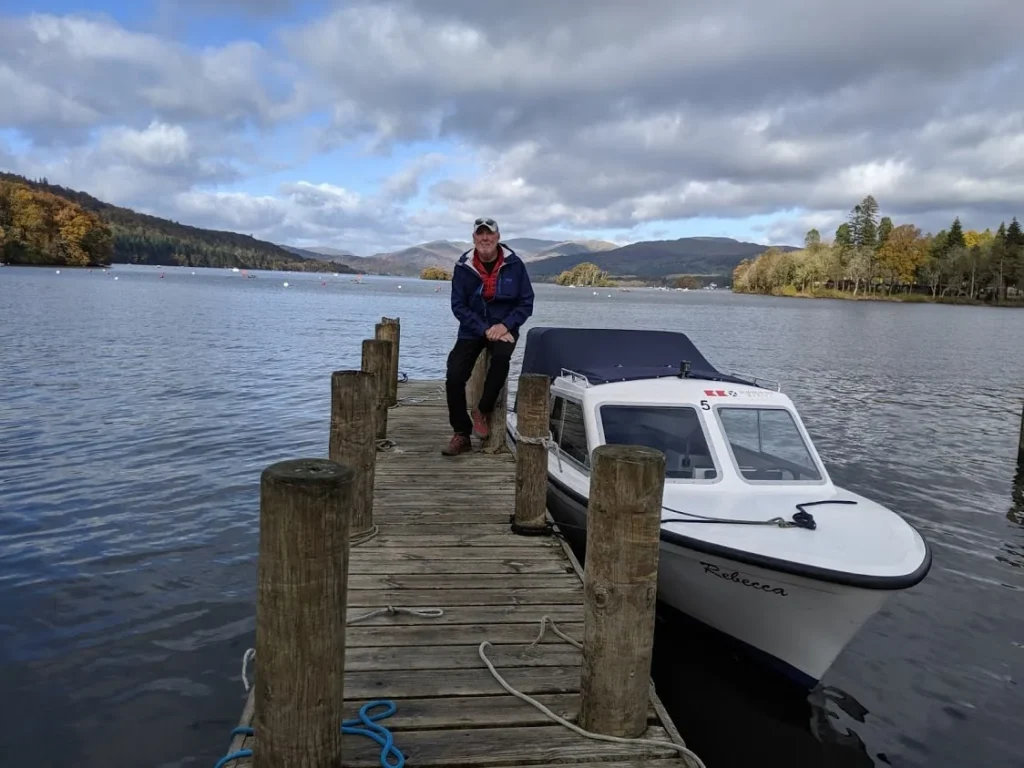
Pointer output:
x,y
58,271
286,285
115,278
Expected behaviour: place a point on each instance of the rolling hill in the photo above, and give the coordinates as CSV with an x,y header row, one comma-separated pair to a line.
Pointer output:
x,y
444,253
139,238
659,258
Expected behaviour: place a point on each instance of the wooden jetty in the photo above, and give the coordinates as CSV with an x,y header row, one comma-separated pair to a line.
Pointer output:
x,y
442,573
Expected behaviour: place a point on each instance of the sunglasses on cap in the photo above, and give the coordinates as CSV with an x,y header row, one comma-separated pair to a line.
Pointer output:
x,y
490,224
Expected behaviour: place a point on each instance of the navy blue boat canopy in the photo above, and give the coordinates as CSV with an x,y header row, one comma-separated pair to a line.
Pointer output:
x,y
605,355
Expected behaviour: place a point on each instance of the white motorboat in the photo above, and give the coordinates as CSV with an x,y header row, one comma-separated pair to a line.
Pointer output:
x,y
756,540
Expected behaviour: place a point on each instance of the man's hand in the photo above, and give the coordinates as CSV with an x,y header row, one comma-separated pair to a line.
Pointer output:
x,y
498,333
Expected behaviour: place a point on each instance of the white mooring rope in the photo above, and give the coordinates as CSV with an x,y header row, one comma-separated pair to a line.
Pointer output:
x,y
544,622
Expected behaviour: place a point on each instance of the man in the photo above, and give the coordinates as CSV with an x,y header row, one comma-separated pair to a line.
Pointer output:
x,y
492,298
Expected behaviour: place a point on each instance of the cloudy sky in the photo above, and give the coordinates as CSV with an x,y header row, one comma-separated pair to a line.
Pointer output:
x,y
371,125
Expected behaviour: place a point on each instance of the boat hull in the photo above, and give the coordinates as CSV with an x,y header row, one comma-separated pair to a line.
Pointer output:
x,y
793,624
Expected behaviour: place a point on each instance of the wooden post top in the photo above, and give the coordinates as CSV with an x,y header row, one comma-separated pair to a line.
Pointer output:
x,y
310,472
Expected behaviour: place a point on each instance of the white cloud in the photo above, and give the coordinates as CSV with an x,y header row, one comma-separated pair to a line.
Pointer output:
x,y
622,116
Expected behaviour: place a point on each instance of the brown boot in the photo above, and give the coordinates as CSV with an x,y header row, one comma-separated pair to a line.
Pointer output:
x,y
458,444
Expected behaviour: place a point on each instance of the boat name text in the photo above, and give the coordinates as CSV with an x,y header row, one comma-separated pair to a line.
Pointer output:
x,y
735,577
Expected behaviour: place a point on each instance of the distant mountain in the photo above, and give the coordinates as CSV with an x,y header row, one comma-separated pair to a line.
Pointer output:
x,y
659,258
142,239
321,254
408,261
570,247
323,250
444,253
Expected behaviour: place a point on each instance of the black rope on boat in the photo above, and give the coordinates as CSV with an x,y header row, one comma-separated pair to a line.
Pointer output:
x,y
801,519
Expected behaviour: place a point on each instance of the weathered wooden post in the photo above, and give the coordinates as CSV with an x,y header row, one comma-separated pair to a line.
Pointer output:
x,y
1020,445
377,362
495,441
352,440
302,586
532,417
390,329
620,579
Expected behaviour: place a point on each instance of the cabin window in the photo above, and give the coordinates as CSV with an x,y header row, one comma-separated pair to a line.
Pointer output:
x,y
767,445
674,430
568,429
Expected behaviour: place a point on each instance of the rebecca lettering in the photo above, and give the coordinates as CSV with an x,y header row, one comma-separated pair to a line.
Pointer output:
x,y
734,576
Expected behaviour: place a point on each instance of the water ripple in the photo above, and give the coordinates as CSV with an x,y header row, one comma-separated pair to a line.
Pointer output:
x,y
137,416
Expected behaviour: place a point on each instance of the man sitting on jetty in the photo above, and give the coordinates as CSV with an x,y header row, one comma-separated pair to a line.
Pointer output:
x,y
491,297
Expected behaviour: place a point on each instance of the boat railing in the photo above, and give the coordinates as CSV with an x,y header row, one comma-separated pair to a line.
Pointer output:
x,y
758,381
575,377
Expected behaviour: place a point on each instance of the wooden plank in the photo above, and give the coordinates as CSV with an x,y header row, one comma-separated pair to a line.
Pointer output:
x,y
470,528
493,596
476,615
415,540
360,635
522,565
645,762
478,711
389,518
462,581
364,659
421,683
497,552
487,747
454,511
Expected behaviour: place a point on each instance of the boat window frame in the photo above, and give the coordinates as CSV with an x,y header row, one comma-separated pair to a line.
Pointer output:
x,y
697,409
823,477
584,467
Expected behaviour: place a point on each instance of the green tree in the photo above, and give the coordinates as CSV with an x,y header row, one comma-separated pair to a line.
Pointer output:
x,y
884,230
584,274
955,238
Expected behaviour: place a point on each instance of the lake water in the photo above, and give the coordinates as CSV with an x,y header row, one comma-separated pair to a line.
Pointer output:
x,y
136,415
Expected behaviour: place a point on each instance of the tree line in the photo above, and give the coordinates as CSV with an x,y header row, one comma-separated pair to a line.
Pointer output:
x,y
43,223
870,256
39,228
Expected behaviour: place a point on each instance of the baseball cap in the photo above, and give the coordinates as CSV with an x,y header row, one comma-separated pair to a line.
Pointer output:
x,y
490,224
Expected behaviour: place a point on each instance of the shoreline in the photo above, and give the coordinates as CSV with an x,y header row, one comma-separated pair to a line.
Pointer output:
x,y
912,298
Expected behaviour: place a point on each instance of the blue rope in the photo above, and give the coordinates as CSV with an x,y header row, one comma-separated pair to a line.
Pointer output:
x,y
378,733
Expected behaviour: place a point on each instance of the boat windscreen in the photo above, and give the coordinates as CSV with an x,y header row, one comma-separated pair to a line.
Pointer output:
x,y
767,445
676,431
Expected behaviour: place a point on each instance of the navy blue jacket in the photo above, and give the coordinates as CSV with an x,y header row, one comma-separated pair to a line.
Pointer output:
x,y
511,306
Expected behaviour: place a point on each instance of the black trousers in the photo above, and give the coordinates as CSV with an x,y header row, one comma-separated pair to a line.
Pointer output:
x,y
461,360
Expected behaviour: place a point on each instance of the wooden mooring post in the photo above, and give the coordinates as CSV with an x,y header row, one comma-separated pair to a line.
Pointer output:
x,y
1020,445
390,329
377,361
532,416
301,605
352,440
495,441
620,579
443,575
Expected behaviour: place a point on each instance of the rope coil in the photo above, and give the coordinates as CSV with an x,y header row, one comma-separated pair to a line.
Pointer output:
x,y
365,724
545,620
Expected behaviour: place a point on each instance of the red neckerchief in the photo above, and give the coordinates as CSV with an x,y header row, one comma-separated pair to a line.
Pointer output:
x,y
490,278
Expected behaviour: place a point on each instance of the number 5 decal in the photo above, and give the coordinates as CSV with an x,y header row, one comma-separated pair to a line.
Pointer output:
x,y
705,405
